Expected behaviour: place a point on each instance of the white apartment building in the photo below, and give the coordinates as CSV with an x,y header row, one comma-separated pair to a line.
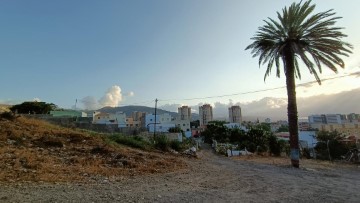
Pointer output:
x,y
163,122
235,114
325,119
205,114
183,124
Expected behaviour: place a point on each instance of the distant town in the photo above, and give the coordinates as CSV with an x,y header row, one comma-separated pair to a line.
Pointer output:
x,y
348,124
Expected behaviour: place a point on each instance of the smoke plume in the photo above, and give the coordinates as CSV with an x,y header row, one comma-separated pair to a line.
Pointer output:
x,y
111,98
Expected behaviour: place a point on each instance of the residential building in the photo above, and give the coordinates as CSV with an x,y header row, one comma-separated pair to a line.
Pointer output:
x,y
183,124
130,122
304,126
325,119
205,114
161,127
348,129
184,113
138,118
163,122
119,118
317,119
235,114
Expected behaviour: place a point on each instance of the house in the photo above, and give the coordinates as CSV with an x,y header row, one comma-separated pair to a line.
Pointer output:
x,y
162,122
119,118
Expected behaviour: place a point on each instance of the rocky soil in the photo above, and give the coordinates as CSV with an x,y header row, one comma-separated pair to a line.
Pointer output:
x,y
209,178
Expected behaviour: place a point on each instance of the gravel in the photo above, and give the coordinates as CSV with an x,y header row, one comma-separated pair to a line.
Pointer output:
x,y
210,178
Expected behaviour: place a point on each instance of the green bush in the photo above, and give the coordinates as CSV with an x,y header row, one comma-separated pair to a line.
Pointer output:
x,y
306,153
161,142
275,147
131,141
7,115
330,142
175,145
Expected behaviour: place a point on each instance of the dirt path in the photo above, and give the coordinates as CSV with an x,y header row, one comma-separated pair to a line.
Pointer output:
x,y
211,178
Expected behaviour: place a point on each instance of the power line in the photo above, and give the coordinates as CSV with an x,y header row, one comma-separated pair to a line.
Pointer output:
x,y
262,90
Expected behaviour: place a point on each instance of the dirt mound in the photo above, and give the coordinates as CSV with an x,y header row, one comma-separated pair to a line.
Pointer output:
x,y
33,150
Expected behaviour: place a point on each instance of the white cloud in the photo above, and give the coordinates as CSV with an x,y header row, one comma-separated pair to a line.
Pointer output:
x,y
130,94
36,99
112,97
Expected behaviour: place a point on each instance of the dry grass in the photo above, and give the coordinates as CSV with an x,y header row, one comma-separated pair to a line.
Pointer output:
x,y
4,108
285,161
33,150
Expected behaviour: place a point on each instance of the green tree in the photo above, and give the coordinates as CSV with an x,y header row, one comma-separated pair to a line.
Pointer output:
x,y
330,142
299,34
33,107
216,130
257,136
283,128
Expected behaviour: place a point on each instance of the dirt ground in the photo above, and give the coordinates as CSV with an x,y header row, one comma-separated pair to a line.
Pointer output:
x,y
209,178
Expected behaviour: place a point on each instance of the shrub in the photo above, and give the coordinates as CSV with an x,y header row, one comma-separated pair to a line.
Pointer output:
x,y
131,141
161,142
306,153
330,142
175,145
275,147
8,115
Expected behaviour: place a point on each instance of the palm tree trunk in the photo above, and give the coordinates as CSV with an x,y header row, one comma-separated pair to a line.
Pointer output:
x,y
292,108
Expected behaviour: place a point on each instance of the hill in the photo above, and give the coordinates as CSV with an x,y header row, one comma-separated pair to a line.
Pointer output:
x,y
34,150
129,109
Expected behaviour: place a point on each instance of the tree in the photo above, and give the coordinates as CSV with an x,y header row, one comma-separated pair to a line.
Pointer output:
x,y
283,128
329,143
216,130
299,34
33,108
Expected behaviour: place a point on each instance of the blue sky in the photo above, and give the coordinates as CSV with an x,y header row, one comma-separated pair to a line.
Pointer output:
x,y
59,51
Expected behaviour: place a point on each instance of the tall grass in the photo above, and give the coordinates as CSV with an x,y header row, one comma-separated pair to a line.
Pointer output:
x,y
131,141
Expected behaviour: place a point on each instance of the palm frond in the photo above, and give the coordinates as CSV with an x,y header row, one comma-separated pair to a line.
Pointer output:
x,y
312,38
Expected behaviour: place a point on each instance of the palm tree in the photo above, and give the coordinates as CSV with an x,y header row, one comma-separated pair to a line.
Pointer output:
x,y
299,34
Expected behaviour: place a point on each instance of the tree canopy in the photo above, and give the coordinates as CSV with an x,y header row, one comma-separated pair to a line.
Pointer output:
x,y
33,108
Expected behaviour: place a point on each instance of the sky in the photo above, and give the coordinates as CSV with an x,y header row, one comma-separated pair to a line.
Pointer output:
x,y
122,52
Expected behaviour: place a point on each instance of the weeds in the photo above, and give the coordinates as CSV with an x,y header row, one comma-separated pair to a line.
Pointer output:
x,y
131,141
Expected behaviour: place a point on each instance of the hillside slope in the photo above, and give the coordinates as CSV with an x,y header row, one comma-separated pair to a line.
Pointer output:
x,y
33,150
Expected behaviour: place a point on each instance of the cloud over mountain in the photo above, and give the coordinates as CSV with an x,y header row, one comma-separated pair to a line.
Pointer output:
x,y
113,96
276,108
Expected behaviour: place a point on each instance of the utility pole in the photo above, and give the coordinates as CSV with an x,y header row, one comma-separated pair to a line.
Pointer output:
x,y
156,100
